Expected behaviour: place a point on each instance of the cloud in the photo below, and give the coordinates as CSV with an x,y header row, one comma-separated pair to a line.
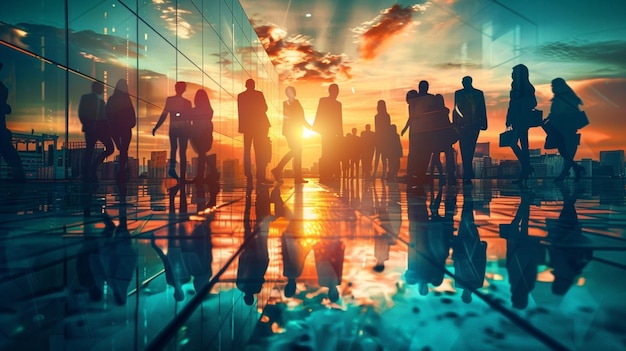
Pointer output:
x,y
607,52
173,17
375,35
296,59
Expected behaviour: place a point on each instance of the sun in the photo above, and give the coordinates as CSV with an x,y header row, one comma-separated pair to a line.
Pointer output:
x,y
308,134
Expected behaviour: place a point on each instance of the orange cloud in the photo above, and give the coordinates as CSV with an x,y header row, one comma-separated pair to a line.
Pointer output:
x,y
389,24
296,59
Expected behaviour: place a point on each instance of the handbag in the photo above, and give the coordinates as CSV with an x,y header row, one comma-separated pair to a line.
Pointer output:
x,y
535,119
552,135
580,120
508,138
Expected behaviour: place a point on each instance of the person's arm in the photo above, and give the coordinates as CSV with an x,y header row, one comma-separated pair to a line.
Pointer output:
x,y
483,111
161,119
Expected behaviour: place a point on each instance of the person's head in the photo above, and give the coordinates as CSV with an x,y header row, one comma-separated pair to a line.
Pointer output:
x,y
180,88
333,90
354,131
382,106
201,98
97,88
121,86
290,92
423,87
411,94
394,128
368,127
439,103
467,82
250,84
520,72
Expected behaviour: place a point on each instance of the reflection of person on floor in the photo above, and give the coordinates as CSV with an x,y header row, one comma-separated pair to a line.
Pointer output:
x,y
122,118
295,244
254,259
7,151
390,215
429,239
469,252
92,115
523,254
569,250
178,108
109,257
329,256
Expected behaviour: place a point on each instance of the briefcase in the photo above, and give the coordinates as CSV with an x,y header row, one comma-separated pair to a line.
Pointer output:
x,y
508,138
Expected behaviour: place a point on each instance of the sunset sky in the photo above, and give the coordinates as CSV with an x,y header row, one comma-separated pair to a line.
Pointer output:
x,y
380,49
372,49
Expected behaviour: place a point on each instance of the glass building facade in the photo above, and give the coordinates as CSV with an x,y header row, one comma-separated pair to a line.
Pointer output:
x,y
53,50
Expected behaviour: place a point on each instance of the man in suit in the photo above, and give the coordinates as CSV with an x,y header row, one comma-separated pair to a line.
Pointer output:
x,y
254,125
329,124
96,127
469,117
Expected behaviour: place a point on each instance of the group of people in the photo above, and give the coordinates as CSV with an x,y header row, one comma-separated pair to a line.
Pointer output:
x,y
430,131
565,105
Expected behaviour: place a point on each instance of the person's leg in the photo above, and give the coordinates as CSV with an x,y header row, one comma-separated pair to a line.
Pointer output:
x,y
523,139
184,141
297,161
90,143
107,141
450,166
247,160
173,148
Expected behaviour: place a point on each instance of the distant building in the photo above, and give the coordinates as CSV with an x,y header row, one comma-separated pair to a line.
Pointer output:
x,y
613,159
230,169
482,150
157,164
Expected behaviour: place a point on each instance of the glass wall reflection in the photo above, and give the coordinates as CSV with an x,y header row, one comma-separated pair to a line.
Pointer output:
x,y
53,51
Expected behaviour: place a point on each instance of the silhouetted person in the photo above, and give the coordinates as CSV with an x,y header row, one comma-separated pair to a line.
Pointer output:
x,y
523,255
179,109
368,144
354,147
419,147
392,151
469,118
254,125
521,104
382,121
469,252
570,251
329,124
91,112
202,135
565,103
7,151
293,122
122,118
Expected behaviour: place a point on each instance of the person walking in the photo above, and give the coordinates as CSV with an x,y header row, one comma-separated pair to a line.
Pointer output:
x,y
92,115
293,121
254,125
469,118
122,119
329,124
202,134
178,108
565,103
521,105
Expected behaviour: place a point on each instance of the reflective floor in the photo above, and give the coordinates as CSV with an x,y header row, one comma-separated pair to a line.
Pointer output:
x,y
357,265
